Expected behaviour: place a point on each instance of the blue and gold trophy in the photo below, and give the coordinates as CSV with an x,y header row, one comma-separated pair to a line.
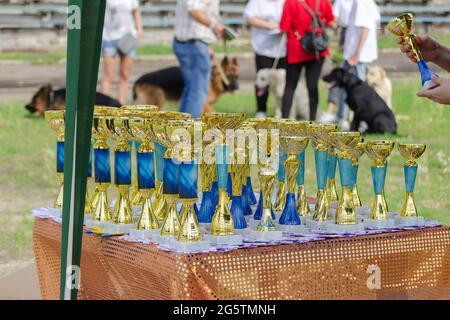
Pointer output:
x,y
408,213
292,146
280,198
347,145
358,151
140,126
378,151
320,140
56,121
222,224
237,202
402,26
122,218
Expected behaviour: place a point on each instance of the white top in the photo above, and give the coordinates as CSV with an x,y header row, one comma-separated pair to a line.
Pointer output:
x,y
341,10
266,42
186,28
119,20
364,13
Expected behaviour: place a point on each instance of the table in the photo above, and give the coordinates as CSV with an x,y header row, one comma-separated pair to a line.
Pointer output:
x,y
404,265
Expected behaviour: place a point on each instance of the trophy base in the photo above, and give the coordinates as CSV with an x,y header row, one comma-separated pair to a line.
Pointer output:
x,y
234,239
295,229
89,223
188,247
344,228
363,211
410,221
112,228
379,224
54,213
309,222
144,234
252,223
165,240
266,235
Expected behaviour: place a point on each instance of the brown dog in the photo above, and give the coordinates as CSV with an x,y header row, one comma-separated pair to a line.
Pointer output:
x,y
158,87
48,99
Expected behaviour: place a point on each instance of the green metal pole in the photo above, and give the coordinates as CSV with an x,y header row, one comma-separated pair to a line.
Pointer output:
x,y
83,56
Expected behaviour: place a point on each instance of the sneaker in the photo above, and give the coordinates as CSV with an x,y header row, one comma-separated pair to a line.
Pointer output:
x,y
344,125
327,117
260,115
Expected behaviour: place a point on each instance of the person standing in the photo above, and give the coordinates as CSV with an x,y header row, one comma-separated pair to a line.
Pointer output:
x,y
197,26
360,44
264,17
122,29
297,21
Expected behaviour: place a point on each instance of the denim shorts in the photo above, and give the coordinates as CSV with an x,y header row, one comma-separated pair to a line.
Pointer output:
x,y
110,49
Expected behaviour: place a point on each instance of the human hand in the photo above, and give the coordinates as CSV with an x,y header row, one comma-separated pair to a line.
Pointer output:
x,y
440,93
272,25
429,48
354,59
218,30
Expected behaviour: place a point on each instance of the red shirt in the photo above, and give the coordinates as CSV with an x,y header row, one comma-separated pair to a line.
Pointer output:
x,y
297,18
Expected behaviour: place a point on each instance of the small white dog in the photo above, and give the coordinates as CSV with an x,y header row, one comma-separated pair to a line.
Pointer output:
x,y
377,79
275,79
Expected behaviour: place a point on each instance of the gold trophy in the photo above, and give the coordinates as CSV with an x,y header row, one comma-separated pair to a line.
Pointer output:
x,y
402,26
348,145
56,121
118,127
140,126
331,182
358,151
408,212
378,151
136,197
320,140
222,224
165,133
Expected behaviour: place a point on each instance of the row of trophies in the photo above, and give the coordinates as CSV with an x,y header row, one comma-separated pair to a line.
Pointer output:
x,y
169,174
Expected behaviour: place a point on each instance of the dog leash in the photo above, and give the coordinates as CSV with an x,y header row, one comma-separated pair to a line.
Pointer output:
x,y
280,46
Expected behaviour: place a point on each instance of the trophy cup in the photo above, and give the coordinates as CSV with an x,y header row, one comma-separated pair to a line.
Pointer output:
x,y
56,121
408,213
331,182
122,218
402,26
345,144
163,131
148,224
101,212
222,224
292,145
131,110
378,151
320,136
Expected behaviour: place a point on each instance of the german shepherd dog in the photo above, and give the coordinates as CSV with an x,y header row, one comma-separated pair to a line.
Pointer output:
x,y
155,88
48,99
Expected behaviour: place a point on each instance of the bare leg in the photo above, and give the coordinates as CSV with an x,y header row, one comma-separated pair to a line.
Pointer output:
x,y
109,69
125,70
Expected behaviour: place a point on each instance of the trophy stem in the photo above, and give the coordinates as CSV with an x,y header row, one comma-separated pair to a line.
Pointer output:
x,y
94,198
147,220
245,202
331,190
379,205
345,212
122,210
189,230
237,209
280,199
59,198
250,192
267,185
302,202
171,224
87,203
331,183
102,211
321,211
160,203
290,214
356,199
409,207
322,202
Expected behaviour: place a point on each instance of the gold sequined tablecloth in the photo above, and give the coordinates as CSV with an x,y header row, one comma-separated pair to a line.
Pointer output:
x,y
402,265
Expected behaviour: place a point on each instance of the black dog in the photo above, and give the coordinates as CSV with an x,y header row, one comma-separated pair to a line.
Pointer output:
x,y
48,99
366,104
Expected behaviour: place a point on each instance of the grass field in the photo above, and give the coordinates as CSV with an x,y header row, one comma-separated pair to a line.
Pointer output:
x,y
28,163
384,42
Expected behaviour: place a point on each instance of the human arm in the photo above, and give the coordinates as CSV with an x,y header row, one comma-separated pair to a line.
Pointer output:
x,y
198,11
138,22
432,51
354,59
261,23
